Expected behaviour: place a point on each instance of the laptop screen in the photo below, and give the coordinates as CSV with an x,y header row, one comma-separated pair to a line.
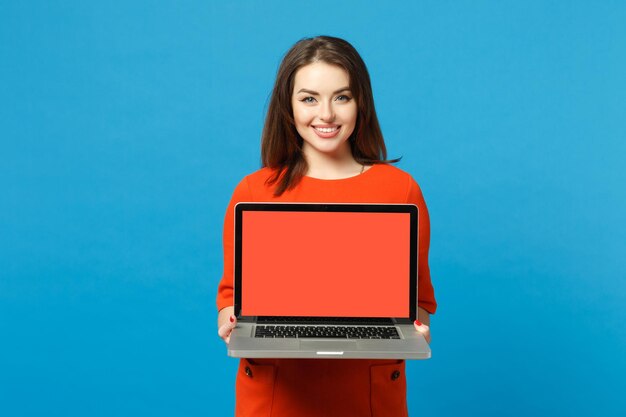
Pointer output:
x,y
325,263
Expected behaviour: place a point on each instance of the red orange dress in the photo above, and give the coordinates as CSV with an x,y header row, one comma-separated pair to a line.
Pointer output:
x,y
327,387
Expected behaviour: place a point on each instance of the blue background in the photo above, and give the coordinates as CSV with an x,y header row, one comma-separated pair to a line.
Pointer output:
x,y
125,126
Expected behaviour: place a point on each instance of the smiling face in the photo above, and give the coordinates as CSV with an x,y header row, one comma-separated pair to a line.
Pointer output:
x,y
324,110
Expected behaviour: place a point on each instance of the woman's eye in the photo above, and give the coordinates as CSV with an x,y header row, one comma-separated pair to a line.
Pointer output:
x,y
308,100
343,98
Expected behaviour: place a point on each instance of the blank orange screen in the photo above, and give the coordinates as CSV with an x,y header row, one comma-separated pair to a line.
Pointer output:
x,y
325,264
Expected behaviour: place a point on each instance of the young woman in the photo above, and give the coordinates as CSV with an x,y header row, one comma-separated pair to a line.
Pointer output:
x,y
322,143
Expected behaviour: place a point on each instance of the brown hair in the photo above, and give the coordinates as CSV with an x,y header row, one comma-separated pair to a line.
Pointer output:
x,y
281,145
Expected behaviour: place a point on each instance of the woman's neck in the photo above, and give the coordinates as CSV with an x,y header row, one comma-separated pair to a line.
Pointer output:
x,y
332,167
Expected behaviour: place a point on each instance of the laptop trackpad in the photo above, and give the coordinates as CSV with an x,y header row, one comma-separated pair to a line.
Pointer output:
x,y
327,346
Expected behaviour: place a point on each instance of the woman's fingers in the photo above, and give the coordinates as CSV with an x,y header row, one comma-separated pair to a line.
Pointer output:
x,y
225,329
423,329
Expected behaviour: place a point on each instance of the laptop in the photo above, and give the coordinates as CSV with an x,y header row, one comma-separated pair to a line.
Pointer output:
x,y
318,280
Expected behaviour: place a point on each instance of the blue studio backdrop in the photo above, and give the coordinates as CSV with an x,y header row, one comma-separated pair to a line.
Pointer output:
x,y
125,125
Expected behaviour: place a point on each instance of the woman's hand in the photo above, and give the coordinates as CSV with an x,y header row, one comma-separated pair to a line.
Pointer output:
x,y
422,324
423,329
226,322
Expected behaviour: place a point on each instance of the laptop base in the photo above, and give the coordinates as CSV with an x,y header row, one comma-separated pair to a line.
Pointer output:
x,y
411,345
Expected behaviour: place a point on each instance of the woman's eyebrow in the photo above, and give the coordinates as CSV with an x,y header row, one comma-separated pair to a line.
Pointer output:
x,y
315,93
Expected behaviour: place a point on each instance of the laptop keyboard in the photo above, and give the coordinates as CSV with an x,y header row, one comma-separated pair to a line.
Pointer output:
x,y
334,332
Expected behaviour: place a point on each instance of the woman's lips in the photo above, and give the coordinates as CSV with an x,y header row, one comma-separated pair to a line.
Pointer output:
x,y
326,132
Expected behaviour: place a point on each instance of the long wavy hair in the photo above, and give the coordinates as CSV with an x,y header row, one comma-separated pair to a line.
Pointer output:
x,y
281,145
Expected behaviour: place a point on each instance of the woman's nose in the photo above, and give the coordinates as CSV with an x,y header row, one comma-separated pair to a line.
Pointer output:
x,y
327,113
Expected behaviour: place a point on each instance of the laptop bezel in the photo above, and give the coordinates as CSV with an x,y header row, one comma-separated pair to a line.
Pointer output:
x,y
410,209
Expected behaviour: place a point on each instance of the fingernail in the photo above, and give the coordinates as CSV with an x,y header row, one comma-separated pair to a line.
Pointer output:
x,y
232,319
419,323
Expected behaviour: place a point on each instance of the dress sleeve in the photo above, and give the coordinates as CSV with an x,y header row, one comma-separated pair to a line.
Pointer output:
x,y
225,290
425,290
